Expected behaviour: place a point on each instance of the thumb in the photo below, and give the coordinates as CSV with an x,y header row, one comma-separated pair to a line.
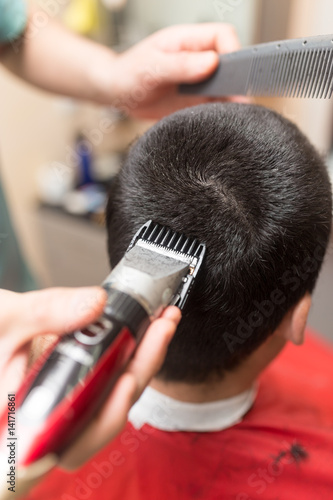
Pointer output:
x,y
188,66
55,310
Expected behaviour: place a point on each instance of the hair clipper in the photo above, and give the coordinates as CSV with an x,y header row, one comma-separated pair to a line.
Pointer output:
x,y
67,386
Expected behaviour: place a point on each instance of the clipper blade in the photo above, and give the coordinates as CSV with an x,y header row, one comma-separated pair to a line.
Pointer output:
x,y
173,244
159,267
164,237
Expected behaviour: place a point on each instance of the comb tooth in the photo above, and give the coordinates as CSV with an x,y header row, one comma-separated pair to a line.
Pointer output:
x,y
272,79
304,76
268,83
173,238
292,73
327,77
319,74
301,73
277,73
330,92
259,75
324,74
267,75
179,243
255,74
274,72
160,235
148,230
248,86
145,231
197,250
289,73
186,242
166,236
154,232
262,74
284,75
313,72
327,85
309,73
298,73
279,76
193,247
326,80
252,75
282,72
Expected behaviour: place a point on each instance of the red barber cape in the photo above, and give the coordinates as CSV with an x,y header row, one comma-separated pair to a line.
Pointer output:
x,y
282,449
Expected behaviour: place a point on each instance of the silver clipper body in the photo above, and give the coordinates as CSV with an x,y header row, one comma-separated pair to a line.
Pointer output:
x,y
72,381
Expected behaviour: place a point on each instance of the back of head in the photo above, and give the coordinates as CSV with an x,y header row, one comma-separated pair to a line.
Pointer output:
x,y
246,182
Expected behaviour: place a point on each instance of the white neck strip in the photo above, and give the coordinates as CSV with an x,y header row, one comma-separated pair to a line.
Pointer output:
x,y
168,414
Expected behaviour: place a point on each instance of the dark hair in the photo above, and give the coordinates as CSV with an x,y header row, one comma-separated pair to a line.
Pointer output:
x,y
245,181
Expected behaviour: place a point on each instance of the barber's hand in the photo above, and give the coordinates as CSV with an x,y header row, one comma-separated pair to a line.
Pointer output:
x,y
26,318
149,73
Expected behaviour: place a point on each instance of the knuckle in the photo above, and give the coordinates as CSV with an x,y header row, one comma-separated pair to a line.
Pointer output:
x,y
230,29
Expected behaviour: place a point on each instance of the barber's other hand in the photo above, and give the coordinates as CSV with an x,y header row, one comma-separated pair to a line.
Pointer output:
x,y
149,73
26,318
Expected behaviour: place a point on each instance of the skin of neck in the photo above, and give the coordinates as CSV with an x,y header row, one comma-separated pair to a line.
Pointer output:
x,y
244,375
232,383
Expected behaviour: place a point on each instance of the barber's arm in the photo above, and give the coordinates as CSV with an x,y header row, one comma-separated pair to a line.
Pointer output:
x,y
26,322
142,81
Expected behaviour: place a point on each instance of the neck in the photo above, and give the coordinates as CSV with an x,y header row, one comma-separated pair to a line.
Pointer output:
x,y
231,384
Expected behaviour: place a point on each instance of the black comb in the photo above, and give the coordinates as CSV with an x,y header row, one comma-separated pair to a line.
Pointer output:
x,y
289,68
163,236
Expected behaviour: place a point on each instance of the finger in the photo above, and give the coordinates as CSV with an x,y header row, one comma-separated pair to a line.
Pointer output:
x,y
226,39
150,355
107,424
55,310
173,313
193,50
112,418
12,374
187,67
219,37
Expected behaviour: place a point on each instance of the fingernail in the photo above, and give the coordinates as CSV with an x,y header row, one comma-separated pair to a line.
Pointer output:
x,y
173,313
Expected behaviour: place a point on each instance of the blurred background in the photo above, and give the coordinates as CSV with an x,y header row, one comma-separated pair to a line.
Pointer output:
x,y
44,138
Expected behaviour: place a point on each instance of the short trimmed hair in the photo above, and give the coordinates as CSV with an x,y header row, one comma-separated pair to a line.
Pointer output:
x,y
247,183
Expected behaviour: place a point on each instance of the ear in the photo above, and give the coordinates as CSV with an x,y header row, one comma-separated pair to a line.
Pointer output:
x,y
295,321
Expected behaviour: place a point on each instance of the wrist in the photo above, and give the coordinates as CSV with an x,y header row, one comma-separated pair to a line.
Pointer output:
x,y
103,75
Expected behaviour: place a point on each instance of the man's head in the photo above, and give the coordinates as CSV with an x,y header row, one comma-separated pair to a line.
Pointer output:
x,y
246,182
